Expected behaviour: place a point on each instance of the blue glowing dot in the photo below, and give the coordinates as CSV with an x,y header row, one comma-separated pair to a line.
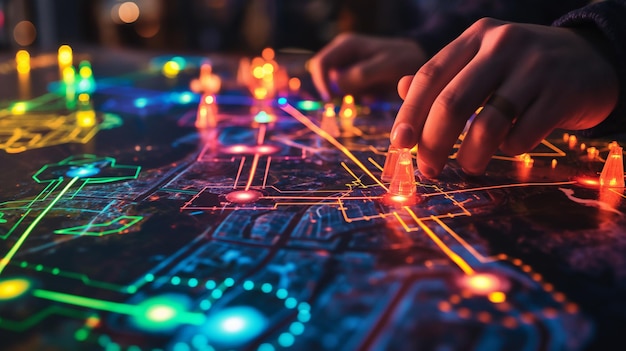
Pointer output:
x,y
248,285
199,341
282,101
304,306
175,280
281,293
181,346
229,282
266,288
210,284
291,303
193,282
141,102
216,294
83,172
266,347
205,304
234,326
296,328
149,277
304,316
286,339
185,98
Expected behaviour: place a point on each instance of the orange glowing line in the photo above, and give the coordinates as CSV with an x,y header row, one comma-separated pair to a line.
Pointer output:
x,y
261,136
380,168
319,131
464,243
520,185
465,267
343,164
255,163
267,171
243,159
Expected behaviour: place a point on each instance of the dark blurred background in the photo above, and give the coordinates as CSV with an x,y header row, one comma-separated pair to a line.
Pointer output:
x,y
242,26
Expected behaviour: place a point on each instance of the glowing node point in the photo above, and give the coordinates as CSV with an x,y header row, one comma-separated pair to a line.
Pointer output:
x,y
403,180
234,326
22,61
613,171
484,283
572,141
390,164
264,117
160,313
19,108
329,121
244,196
171,69
13,288
83,172
497,297
266,149
554,162
282,101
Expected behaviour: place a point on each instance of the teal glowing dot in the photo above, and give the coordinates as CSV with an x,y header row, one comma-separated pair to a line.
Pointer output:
x,y
181,346
266,347
83,172
296,328
141,102
199,341
81,334
210,284
216,294
263,117
282,101
308,105
205,304
133,348
281,293
185,98
112,347
175,280
229,282
304,306
131,289
234,327
161,313
291,303
193,282
56,271
304,317
149,277
266,288
286,339
104,340
248,285
180,61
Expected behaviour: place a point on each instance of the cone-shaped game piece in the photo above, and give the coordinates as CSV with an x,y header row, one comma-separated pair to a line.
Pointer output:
x,y
403,181
390,164
207,112
329,121
613,172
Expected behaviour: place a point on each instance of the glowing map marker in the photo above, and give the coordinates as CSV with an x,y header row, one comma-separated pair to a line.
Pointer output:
x,y
13,288
329,121
207,82
390,164
207,112
347,113
613,171
403,180
244,196
22,61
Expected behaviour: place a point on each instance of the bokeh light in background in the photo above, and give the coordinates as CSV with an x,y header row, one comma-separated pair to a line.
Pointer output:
x,y
24,33
126,12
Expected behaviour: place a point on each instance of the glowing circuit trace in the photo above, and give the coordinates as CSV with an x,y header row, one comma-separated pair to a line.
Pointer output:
x,y
613,171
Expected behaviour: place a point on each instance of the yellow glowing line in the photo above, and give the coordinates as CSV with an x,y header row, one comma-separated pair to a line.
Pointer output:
x,y
375,163
267,171
243,159
319,131
464,243
465,267
6,259
617,192
255,163
343,164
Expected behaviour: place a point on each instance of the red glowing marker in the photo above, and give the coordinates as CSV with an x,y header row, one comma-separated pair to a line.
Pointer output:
x,y
613,171
403,181
390,164
329,121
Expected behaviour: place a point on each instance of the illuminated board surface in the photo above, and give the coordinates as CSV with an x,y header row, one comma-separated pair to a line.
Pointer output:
x,y
127,224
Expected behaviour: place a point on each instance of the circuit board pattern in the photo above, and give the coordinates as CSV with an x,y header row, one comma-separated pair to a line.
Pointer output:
x,y
150,234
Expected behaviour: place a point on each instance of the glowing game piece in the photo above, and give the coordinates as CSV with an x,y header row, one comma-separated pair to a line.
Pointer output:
x,y
403,180
329,121
390,164
65,56
207,112
613,171
347,113
22,61
207,82
572,141
554,163
592,152
171,69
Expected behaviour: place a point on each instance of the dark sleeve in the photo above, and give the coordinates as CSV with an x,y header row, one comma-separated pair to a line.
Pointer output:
x,y
447,22
610,18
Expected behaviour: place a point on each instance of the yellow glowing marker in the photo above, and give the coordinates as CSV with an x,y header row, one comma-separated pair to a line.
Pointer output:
x,y
171,69
497,297
257,72
260,93
83,98
19,108
22,61
86,118
65,56
69,75
12,288
84,70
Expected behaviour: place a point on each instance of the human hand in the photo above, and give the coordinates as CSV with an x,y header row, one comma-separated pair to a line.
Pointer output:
x,y
357,64
548,78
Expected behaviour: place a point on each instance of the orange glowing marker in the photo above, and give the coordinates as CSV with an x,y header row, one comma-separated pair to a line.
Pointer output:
x,y
554,162
390,164
592,152
207,112
613,171
329,121
22,61
572,141
294,84
403,181
565,137
347,113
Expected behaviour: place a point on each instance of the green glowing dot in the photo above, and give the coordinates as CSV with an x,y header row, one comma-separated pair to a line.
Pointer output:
x,y
229,282
266,347
266,288
24,264
216,294
81,334
175,280
308,105
291,303
205,304
193,282
149,277
281,293
181,346
286,339
56,271
248,285
304,306
113,347
39,267
296,328
131,289
210,284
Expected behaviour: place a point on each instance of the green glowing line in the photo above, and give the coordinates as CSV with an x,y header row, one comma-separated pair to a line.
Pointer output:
x,y
5,261
19,326
193,318
93,229
179,191
4,237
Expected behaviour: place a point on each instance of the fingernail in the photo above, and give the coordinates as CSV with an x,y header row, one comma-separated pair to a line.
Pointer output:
x,y
403,135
